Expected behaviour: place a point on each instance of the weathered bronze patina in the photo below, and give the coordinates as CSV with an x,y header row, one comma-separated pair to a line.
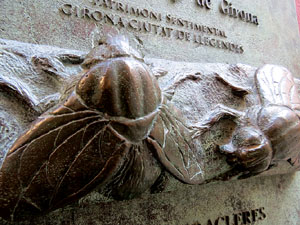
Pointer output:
x,y
109,132
268,132
119,132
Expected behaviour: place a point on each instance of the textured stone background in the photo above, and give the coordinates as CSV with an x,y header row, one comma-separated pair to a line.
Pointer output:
x,y
274,41
34,67
298,12
279,195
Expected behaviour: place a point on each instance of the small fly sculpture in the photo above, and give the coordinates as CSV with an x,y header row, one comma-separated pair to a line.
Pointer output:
x,y
118,133
266,133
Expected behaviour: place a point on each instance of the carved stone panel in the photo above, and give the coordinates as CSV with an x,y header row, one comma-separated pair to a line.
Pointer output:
x,y
123,126
252,32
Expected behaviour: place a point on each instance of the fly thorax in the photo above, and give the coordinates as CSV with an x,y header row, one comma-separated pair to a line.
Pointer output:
x,y
124,90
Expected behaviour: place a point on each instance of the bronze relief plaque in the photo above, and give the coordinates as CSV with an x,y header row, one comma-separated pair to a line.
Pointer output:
x,y
126,117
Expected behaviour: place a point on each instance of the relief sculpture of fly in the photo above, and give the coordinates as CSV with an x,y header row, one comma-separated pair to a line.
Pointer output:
x,y
117,132
267,132
114,131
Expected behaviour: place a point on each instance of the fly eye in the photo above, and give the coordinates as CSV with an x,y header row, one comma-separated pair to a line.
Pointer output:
x,y
248,142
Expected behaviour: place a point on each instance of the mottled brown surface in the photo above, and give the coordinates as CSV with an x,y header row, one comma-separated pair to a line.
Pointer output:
x,y
196,127
188,205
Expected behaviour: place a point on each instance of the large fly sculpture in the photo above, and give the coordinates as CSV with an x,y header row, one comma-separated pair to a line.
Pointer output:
x,y
108,133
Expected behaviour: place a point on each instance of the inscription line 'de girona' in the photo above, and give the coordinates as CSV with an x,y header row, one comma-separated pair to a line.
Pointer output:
x,y
227,8
96,12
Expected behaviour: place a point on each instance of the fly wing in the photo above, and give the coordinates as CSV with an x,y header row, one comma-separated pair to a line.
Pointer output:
x,y
60,158
276,85
173,146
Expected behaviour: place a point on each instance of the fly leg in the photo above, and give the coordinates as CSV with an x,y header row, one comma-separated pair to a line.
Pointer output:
x,y
219,112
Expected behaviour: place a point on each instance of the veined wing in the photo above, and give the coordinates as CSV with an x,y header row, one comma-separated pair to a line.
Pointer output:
x,y
173,148
60,158
276,85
